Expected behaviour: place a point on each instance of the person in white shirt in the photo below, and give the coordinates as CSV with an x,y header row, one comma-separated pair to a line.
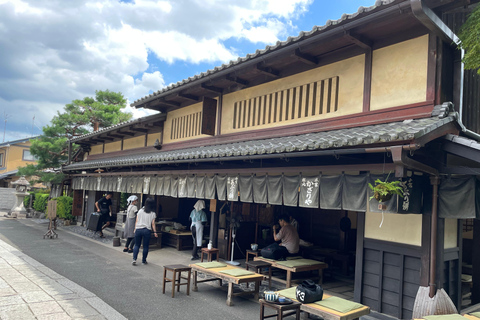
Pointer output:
x,y
129,230
143,229
198,217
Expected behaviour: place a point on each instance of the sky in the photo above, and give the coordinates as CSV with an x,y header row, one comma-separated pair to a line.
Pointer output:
x,y
56,51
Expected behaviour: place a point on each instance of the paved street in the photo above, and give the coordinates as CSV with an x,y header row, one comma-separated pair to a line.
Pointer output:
x,y
75,277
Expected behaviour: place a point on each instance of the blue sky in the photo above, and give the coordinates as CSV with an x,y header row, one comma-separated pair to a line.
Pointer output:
x,y
52,54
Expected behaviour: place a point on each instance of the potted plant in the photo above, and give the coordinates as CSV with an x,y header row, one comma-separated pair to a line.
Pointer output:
x,y
384,190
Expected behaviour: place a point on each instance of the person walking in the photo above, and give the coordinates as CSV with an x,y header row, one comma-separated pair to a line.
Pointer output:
x,y
144,225
129,231
104,206
198,218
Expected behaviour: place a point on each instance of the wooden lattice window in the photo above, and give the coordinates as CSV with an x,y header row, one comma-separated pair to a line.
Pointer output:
x,y
467,225
311,99
186,126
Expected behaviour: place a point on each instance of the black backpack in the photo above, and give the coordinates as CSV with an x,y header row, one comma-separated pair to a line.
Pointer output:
x,y
308,292
274,251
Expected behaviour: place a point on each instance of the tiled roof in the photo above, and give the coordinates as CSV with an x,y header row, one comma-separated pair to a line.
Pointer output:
x,y
352,137
118,126
268,49
8,174
18,141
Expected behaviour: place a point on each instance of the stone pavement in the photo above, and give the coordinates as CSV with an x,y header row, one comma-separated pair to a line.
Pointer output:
x,y
29,290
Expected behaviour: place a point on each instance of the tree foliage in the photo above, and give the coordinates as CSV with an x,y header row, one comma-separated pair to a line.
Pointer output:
x,y
77,118
470,37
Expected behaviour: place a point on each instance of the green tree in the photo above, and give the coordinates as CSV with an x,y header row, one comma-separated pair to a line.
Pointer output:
x,y
77,118
470,37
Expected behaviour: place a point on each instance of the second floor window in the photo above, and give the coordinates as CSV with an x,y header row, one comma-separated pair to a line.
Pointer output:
x,y
1,160
27,156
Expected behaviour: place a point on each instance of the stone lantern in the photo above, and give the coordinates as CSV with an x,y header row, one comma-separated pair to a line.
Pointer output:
x,y
18,210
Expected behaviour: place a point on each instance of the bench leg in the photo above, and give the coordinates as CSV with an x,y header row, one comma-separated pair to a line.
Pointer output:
x,y
229,295
262,311
320,276
179,280
195,287
269,277
289,278
257,289
173,283
188,282
164,279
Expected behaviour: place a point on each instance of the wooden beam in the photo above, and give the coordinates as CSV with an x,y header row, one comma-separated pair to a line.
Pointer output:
x,y
305,58
170,103
106,138
115,136
138,129
362,42
212,88
131,134
267,70
189,97
237,80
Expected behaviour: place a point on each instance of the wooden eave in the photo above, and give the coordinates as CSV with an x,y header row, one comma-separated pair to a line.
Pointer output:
x,y
337,43
124,131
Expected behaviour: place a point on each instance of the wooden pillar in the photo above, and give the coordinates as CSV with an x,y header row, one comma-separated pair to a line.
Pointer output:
x,y
357,289
476,262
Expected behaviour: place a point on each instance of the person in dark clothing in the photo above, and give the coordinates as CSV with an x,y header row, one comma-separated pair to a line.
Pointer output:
x,y
104,206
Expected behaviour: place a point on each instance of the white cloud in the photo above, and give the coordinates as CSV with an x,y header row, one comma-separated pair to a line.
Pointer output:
x,y
54,51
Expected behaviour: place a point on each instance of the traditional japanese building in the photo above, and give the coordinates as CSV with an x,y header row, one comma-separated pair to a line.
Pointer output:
x,y
303,127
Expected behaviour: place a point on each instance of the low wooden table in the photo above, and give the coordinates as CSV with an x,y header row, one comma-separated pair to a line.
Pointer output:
x,y
216,275
180,240
258,266
293,308
329,314
249,252
210,253
319,266
176,278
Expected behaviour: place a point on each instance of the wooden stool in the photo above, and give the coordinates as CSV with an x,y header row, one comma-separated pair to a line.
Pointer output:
x,y
177,270
253,253
258,266
293,308
209,253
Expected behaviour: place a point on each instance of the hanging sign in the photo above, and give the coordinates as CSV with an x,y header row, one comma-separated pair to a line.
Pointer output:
x,y
309,189
232,188
411,201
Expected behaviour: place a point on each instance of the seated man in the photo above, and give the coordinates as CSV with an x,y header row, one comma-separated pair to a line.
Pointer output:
x,y
288,235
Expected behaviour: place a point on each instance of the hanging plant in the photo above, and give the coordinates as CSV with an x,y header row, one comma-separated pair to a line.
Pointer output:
x,y
384,190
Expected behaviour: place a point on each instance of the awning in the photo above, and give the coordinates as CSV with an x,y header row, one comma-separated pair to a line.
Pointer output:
x,y
8,174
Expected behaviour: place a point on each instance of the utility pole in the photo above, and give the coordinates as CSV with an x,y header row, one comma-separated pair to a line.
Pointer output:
x,y
5,116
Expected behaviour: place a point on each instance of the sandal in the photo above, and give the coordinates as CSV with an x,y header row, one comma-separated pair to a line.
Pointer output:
x,y
101,235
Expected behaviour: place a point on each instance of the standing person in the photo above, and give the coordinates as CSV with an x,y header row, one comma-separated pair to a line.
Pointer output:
x,y
143,229
288,235
129,231
198,217
104,206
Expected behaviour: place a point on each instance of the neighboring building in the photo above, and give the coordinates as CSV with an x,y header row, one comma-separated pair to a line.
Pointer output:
x,y
302,127
13,155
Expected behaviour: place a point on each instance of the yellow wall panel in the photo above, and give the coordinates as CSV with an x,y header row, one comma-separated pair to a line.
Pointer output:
x,y
399,228
113,146
152,137
350,73
97,149
132,143
451,233
399,74
190,110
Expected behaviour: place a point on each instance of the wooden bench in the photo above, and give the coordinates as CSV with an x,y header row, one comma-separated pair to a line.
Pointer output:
x,y
231,280
330,314
311,267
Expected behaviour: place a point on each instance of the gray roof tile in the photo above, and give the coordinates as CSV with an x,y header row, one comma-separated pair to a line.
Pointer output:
x,y
353,137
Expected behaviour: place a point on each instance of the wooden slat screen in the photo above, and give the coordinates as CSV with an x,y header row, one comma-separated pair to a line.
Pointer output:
x,y
302,101
186,126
